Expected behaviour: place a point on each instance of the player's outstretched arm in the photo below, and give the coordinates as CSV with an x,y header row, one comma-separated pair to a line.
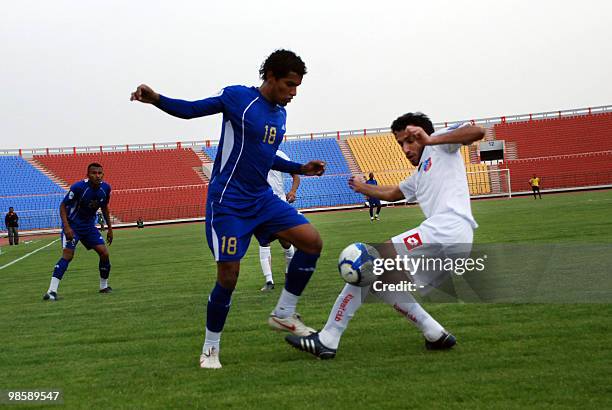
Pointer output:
x,y
312,168
178,108
145,94
463,135
384,192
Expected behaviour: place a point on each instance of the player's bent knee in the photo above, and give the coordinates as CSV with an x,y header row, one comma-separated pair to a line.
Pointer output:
x,y
67,255
315,245
227,274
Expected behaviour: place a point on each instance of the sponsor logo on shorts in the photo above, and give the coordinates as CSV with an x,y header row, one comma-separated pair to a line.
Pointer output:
x,y
413,241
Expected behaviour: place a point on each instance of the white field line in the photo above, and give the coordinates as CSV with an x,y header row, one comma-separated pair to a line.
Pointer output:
x,y
28,254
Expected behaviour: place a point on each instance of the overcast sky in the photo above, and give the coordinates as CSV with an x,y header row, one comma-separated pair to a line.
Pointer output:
x,y
68,67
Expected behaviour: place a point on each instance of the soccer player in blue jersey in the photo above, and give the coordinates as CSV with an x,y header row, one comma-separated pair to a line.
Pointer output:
x,y
373,202
240,201
78,213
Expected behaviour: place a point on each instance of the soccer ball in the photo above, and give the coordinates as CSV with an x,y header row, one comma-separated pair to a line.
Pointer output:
x,y
356,264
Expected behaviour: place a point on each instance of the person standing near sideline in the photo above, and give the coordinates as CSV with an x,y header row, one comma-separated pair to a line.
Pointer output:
x,y
372,201
535,186
11,220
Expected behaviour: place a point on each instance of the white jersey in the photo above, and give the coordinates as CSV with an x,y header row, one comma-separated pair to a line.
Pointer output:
x,y
440,183
275,178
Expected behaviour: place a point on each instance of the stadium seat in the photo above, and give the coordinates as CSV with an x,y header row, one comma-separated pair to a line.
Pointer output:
x,y
558,136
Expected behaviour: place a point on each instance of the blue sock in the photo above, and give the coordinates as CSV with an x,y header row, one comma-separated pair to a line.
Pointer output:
x,y
300,270
219,303
105,268
60,268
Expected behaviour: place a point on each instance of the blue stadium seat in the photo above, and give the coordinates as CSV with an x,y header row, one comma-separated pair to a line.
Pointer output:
x,y
302,151
33,195
314,192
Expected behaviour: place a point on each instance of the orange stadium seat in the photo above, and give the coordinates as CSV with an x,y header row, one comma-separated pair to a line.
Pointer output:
x,y
558,136
382,155
155,185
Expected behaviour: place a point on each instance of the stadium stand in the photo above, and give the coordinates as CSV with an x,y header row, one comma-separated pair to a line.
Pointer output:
x,y
314,192
558,136
382,155
30,192
154,185
19,177
572,150
563,171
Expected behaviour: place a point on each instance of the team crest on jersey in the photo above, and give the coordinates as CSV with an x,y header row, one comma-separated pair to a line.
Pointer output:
x,y
427,164
413,241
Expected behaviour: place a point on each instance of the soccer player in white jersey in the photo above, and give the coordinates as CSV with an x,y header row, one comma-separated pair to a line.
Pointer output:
x,y
275,179
440,187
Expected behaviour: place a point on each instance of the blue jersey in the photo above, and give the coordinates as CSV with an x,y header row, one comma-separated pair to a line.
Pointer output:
x,y
82,203
372,182
252,130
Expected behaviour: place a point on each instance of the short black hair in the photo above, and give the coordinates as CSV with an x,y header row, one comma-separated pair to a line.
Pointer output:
x,y
417,119
10,207
281,63
93,165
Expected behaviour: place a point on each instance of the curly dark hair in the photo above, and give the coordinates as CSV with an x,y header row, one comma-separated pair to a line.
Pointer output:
x,y
417,119
281,62
93,165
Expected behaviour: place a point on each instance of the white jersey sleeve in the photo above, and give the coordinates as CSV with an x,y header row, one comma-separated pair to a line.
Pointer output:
x,y
409,187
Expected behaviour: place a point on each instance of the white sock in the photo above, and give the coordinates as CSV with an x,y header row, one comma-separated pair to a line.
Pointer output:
x,y
286,304
288,256
212,340
103,283
405,304
347,303
265,258
54,284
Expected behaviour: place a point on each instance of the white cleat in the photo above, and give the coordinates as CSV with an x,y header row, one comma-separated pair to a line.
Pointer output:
x,y
292,324
210,359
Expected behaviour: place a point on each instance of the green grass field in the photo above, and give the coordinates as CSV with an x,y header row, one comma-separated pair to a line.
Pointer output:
x,y
139,346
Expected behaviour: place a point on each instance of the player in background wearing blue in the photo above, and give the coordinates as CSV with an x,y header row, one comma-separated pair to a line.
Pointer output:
x,y
373,202
240,201
78,213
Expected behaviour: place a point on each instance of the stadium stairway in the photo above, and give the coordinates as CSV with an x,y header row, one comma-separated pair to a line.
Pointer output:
x,y
201,171
350,158
48,173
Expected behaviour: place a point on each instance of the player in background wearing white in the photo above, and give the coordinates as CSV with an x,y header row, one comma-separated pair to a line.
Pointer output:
x,y
440,187
275,179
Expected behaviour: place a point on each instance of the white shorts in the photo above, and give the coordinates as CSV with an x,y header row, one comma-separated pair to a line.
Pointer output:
x,y
441,236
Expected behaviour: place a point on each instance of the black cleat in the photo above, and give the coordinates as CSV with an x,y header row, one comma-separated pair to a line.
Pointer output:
x,y
52,296
107,289
312,345
443,343
267,287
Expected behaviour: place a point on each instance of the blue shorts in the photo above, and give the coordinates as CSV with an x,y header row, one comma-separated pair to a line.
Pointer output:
x,y
89,237
374,201
229,234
